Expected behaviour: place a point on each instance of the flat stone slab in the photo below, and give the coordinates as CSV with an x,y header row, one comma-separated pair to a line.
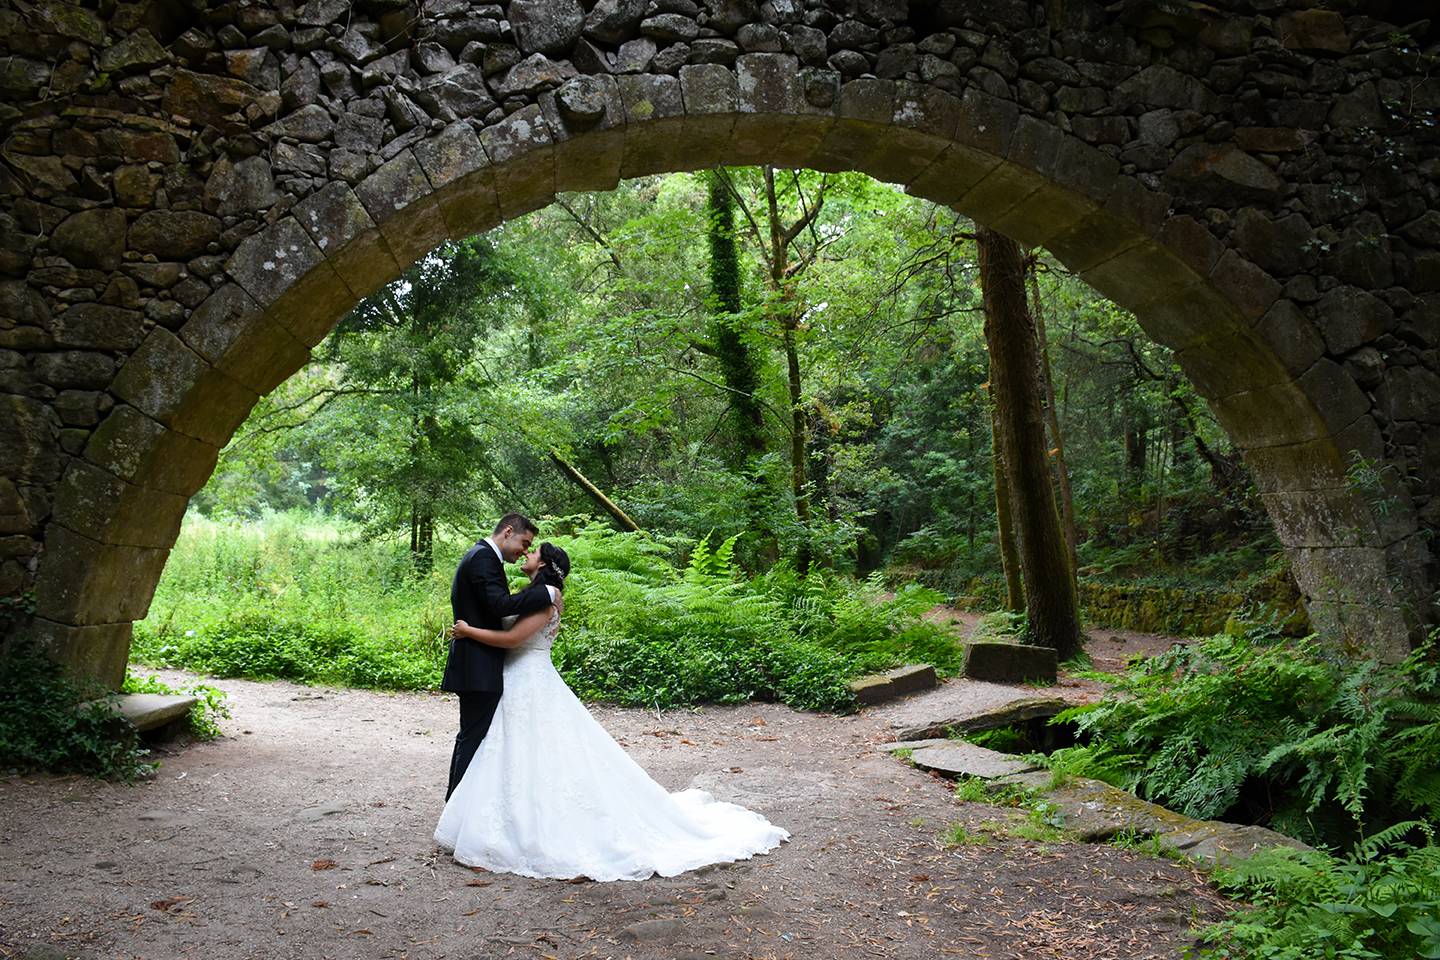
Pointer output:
x,y
1037,779
1215,842
959,759
911,744
1095,811
146,711
879,687
968,706
1010,662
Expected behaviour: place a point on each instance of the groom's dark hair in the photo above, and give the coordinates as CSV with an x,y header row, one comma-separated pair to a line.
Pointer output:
x,y
517,522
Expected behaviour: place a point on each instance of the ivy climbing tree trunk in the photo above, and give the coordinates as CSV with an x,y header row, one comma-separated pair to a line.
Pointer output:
x,y
798,484
739,367
1050,596
422,512
737,363
786,311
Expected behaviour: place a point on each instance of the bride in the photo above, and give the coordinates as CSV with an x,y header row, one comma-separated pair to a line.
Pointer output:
x,y
551,794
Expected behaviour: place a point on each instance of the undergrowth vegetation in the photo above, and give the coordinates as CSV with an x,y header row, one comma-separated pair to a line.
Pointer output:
x,y
648,621
1289,734
51,722
1332,750
1382,901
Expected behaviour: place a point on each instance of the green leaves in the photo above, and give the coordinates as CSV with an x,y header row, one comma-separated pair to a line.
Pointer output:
x,y
1381,902
649,621
50,722
1332,746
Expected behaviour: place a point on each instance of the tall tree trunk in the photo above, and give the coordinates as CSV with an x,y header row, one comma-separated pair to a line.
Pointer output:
x,y
1062,469
789,316
970,492
1135,430
621,518
420,513
1050,601
739,367
1161,462
425,541
1004,522
1225,470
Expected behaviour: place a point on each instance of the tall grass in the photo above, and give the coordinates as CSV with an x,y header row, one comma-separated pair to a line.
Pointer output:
x,y
290,597
648,621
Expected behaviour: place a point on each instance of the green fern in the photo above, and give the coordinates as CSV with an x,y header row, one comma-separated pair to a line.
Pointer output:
x,y
1340,747
1382,902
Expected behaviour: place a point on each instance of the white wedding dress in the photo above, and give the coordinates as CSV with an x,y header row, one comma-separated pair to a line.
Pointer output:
x,y
551,794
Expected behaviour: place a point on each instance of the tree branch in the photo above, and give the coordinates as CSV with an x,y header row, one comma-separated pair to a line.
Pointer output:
x,y
745,209
592,233
728,389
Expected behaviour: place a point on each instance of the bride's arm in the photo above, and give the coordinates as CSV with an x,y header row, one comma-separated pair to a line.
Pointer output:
x,y
518,632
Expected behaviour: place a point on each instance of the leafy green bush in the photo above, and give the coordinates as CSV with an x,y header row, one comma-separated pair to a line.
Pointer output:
x,y
1382,902
648,621
1337,747
649,634
51,722
271,645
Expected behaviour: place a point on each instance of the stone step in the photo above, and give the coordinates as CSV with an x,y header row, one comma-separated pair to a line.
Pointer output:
x,y
972,717
1009,662
148,711
879,687
956,758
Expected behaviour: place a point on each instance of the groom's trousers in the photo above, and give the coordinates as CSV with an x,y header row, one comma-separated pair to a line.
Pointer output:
x,y
477,709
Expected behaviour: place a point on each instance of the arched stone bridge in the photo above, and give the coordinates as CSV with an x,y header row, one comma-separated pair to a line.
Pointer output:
x,y
195,192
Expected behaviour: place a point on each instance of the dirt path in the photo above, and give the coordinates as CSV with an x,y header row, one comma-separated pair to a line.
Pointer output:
x,y
227,853
1109,647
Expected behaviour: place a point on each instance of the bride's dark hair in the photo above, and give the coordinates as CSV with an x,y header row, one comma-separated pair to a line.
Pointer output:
x,y
556,568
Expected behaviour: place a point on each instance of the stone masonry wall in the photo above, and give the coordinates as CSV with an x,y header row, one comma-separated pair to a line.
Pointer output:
x,y
193,193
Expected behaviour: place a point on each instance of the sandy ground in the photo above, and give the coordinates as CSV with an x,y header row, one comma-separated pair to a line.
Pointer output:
x,y
306,832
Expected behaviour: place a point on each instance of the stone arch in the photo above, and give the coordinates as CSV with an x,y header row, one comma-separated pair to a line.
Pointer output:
x,y
184,385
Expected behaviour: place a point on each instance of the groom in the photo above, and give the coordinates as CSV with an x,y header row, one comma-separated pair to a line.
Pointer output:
x,y
480,595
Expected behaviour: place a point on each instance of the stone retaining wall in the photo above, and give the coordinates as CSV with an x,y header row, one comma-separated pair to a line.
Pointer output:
x,y
1175,611
193,193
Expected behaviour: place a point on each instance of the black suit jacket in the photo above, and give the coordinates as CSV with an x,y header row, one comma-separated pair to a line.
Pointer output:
x,y
480,595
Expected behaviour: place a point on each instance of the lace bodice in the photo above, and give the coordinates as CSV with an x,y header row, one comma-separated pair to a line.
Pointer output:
x,y
542,639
